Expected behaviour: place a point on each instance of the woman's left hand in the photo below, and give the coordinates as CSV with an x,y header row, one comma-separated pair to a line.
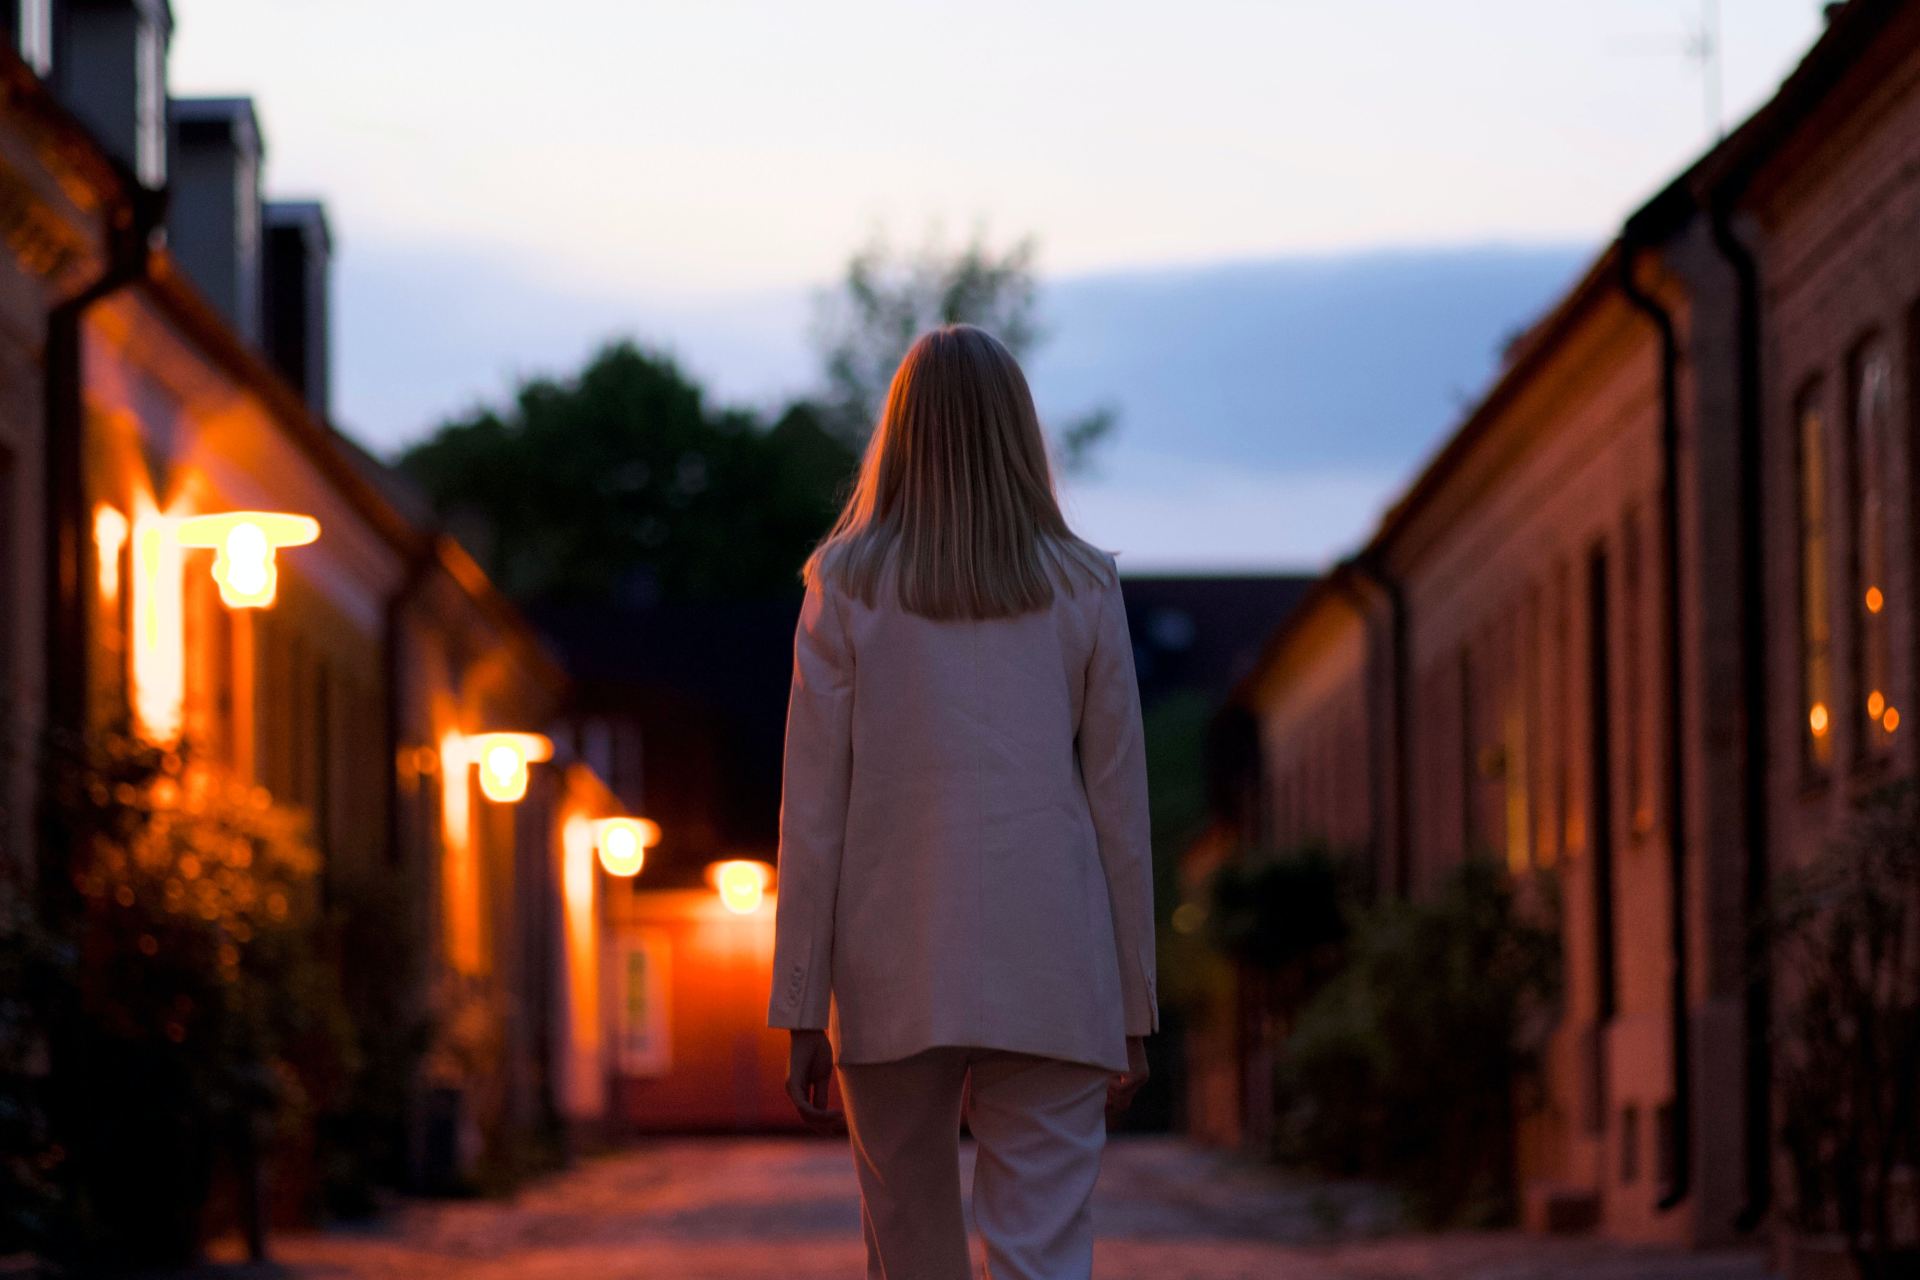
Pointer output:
x,y
809,1073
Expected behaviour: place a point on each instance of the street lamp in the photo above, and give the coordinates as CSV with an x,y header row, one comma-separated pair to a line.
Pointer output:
x,y
503,759
623,843
243,545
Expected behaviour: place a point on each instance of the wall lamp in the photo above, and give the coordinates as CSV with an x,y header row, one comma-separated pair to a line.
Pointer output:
x,y
243,545
623,843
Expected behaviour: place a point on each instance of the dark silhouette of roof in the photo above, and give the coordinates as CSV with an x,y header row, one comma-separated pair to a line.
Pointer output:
x,y
1200,634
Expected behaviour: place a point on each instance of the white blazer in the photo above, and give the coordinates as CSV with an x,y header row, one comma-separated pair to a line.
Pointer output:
x,y
964,855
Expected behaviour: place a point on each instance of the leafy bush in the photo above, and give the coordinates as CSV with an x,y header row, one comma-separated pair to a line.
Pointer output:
x,y
177,981
1408,1064
1279,911
1846,938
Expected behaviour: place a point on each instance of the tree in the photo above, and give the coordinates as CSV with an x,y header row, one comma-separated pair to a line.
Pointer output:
x,y
887,299
624,483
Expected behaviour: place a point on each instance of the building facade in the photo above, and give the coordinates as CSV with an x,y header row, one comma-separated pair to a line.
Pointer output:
x,y
163,356
1645,625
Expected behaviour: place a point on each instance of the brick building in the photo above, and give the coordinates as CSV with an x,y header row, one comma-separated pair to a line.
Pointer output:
x,y
164,338
1647,622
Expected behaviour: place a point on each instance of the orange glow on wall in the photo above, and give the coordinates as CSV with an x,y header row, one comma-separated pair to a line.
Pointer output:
x,y
1818,719
243,545
503,759
109,537
583,1084
157,662
1875,600
460,876
1876,704
1890,720
623,843
741,884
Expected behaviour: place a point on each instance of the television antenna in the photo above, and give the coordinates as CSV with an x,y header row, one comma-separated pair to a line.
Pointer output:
x,y
1703,50
1700,46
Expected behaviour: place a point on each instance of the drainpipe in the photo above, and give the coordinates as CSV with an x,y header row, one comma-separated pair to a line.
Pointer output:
x,y
1369,566
68,551
1680,1049
1757,997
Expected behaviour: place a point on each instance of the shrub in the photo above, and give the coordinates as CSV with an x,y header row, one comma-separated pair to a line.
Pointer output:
x,y
189,1018
1283,913
1846,939
1408,1064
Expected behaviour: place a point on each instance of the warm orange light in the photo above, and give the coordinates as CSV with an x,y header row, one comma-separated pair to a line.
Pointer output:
x,y
1817,719
1875,601
623,843
503,759
158,656
741,883
460,874
109,536
1876,703
243,544
1891,720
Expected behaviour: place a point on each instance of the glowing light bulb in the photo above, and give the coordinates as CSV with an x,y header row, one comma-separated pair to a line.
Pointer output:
x,y
623,843
503,759
243,545
741,883
1817,719
1875,600
1876,703
1891,720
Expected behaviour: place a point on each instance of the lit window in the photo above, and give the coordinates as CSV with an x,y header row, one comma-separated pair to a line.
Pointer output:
x,y
1870,410
1816,648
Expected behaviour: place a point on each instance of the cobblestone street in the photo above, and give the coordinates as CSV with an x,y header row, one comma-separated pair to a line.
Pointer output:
x,y
733,1209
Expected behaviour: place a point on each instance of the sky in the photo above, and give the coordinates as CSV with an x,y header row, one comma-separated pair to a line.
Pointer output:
x,y
510,184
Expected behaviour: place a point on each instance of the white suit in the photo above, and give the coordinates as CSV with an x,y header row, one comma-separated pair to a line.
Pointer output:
x,y
966,888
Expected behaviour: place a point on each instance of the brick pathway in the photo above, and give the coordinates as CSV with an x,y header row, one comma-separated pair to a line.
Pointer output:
x,y
730,1209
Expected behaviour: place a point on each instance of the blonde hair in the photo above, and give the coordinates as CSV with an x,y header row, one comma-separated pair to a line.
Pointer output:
x,y
955,502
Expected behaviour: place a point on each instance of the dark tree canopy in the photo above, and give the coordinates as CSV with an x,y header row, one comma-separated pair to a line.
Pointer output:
x,y
887,299
624,484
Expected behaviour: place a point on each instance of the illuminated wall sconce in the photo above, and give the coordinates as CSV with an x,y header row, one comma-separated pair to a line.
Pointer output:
x,y
243,545
623,843
741,884
503,759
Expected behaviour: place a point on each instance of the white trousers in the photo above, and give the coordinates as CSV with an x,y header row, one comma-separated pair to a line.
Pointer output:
x,y
1039,1125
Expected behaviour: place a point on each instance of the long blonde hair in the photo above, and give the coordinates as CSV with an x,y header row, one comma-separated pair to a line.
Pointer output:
x,y
955,501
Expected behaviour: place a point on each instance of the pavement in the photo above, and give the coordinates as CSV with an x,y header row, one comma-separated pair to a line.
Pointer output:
x,y
787,1208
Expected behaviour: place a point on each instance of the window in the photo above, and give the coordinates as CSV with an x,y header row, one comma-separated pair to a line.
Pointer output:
x,y
1816,636
1870,415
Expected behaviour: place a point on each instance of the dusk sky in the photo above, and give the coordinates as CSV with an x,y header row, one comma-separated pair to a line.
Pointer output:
x,y
510,184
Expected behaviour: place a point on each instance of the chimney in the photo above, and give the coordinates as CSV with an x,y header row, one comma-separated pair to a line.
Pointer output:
x,y
27,25
213,214
298,266
109,60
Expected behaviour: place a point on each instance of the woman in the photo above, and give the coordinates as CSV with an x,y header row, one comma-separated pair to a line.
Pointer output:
x,y
966,896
